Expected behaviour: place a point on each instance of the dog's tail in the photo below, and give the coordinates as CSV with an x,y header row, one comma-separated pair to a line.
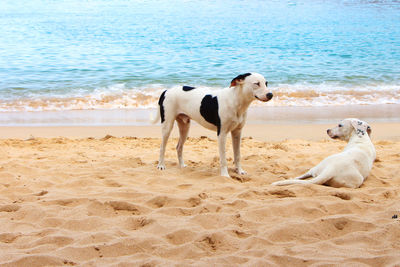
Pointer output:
x,y
159,109
157,118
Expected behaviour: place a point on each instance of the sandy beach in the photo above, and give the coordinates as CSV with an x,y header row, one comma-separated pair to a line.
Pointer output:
x,y
80,83
92,196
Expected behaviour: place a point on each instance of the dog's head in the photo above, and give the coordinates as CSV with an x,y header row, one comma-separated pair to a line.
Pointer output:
x,y
253,84
348,127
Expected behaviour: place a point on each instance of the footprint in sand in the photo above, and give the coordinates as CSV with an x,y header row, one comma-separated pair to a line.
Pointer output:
x,y
9,208
180,237
9,237
123,206
342,195
282,193
134,223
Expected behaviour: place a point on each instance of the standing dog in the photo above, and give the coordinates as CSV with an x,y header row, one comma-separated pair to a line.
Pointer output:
x,y
222,111
348,168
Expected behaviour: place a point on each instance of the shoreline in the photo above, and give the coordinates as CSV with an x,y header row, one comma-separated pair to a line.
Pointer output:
x,y
262,132
264,123
256,115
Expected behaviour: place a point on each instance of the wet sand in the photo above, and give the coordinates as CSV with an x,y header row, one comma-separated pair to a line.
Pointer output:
x,y
256,114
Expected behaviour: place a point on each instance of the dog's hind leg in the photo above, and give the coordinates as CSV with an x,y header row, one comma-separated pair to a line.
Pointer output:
x,y
304,176
184,126
320,179
166,131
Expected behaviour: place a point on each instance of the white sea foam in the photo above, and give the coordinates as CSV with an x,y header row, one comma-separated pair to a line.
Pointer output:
x,y
120,97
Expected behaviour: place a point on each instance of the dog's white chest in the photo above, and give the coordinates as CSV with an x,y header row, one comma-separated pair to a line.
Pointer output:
x,y
235,121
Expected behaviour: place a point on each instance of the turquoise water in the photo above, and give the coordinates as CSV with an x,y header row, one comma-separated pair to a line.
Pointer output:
x,y
121,54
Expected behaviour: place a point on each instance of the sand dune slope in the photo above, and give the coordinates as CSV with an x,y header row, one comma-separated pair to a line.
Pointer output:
x,y
102,202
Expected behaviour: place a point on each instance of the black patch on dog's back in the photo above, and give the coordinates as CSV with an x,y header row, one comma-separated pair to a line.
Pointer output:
x,y
209,111
160,103
187,88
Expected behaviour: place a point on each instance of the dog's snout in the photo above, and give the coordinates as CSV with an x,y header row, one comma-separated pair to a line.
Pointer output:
x,y
269,96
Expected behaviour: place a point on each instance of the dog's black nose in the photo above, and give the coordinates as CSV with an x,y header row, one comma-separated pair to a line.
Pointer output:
x,y
327,131
269,95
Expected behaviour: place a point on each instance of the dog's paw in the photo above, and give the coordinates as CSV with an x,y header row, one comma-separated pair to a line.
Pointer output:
x,y
161,167
182,165
240,171
225,173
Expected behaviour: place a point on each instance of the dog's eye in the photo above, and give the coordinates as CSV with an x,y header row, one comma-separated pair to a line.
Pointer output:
x,y
266,83
258,84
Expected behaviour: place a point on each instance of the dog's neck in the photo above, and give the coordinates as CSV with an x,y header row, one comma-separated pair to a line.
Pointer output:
x,y
354,139
241,100
365,140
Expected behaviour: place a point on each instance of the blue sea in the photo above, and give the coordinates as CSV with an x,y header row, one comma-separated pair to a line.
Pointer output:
x,y
95,54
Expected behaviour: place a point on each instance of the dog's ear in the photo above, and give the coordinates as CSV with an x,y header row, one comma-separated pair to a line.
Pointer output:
x,y
237,80
360,127
369,130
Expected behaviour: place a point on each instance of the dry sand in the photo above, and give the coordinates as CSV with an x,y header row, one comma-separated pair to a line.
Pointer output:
x,y
102,202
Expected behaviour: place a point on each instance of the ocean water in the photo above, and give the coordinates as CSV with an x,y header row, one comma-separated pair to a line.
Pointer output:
x,y
94,54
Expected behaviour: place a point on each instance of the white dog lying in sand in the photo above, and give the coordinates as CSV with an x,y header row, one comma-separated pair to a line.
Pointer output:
x,y
348,168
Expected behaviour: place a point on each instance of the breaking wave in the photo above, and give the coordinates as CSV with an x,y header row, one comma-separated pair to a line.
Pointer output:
x,y
120,97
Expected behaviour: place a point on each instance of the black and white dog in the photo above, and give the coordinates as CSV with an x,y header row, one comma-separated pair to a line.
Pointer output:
x,y
222,111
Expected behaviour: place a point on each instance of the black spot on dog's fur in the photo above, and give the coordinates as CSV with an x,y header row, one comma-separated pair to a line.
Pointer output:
x,y
360,132
160,103
209,111
187,88
240,77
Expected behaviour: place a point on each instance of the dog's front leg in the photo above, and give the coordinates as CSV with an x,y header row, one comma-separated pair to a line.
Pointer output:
x,y
236,140
222,156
